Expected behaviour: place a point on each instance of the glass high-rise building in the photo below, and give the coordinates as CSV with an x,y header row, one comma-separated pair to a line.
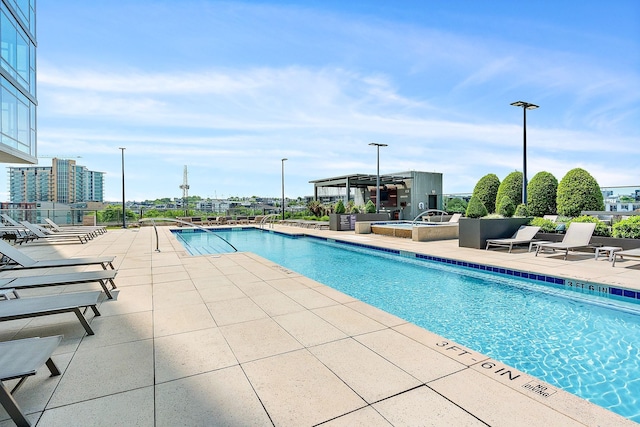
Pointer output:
x,y
63,182
18,81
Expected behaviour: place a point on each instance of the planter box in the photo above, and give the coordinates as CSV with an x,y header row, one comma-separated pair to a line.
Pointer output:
x,y
347,222
474,232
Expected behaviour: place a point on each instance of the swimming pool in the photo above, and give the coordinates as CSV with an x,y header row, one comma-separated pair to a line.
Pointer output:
x,y
584,344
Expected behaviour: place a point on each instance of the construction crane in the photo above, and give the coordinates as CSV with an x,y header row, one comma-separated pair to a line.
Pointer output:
x,y
185,190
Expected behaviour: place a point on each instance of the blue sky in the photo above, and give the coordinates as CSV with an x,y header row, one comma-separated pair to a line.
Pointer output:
x,y
230,88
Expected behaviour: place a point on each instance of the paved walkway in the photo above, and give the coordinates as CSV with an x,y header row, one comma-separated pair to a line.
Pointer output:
x,y
238,340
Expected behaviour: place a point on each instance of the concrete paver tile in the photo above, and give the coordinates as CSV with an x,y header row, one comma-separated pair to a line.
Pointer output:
x,y
221,293
376,314
190,353
129,408
423,407
258,339
219,398
310,298
181,319
237,310
298,390
363,370
112,330
348,320
37,390
166,300
131,299
417,359
365,417
309,329
106,370
276,303
486,399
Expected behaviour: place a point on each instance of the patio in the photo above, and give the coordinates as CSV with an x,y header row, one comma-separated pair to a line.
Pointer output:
x,y
238,340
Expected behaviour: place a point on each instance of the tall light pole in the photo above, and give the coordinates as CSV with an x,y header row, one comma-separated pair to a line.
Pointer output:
x,y
283,160
124,223
525,106
377,145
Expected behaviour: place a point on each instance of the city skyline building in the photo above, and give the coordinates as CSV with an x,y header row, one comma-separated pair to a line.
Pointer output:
x,y
63,182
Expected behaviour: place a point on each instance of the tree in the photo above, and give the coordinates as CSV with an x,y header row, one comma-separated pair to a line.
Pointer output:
x,y
486,190
578,191
456,205
340,209
510,187
476,208
541,194
370,207
316,208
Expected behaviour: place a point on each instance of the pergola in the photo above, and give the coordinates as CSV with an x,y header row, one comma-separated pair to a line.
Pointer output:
x,y
356,181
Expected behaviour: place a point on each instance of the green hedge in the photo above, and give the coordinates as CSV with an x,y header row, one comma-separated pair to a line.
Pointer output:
x,y
627,228
602,229
546,225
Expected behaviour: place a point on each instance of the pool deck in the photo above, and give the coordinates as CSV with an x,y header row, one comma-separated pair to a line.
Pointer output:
x,y
232,340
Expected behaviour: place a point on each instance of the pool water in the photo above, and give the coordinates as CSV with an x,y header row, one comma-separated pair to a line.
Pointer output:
x,y
588,346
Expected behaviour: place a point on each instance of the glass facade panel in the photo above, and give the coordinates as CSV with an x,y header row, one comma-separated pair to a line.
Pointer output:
x,y
8,43
18,80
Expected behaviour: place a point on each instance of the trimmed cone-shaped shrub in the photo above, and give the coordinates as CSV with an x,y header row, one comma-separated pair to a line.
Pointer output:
x,y
370,207
486,190
507,207
541,194
340,209
510,187
578,191
475,208
521,210
627,228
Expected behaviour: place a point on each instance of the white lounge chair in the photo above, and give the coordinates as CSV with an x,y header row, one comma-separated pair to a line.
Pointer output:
x,y
524,235
630,253
103,277
20,359
76,228
19,260
455,217
46,235
25,308
578,236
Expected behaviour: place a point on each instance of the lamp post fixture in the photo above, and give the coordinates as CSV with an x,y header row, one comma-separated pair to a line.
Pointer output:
x,y
124,223
525,106
377,145
283,160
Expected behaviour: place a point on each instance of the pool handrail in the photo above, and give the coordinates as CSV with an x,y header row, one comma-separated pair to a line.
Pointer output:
x,y
268,220
153,221
442,213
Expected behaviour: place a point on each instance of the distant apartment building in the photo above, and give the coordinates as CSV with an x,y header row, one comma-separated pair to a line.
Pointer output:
x,y
18,81
63,182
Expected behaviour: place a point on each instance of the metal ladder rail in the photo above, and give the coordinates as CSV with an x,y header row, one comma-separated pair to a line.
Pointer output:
x,y
442,213
266,220
153,221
